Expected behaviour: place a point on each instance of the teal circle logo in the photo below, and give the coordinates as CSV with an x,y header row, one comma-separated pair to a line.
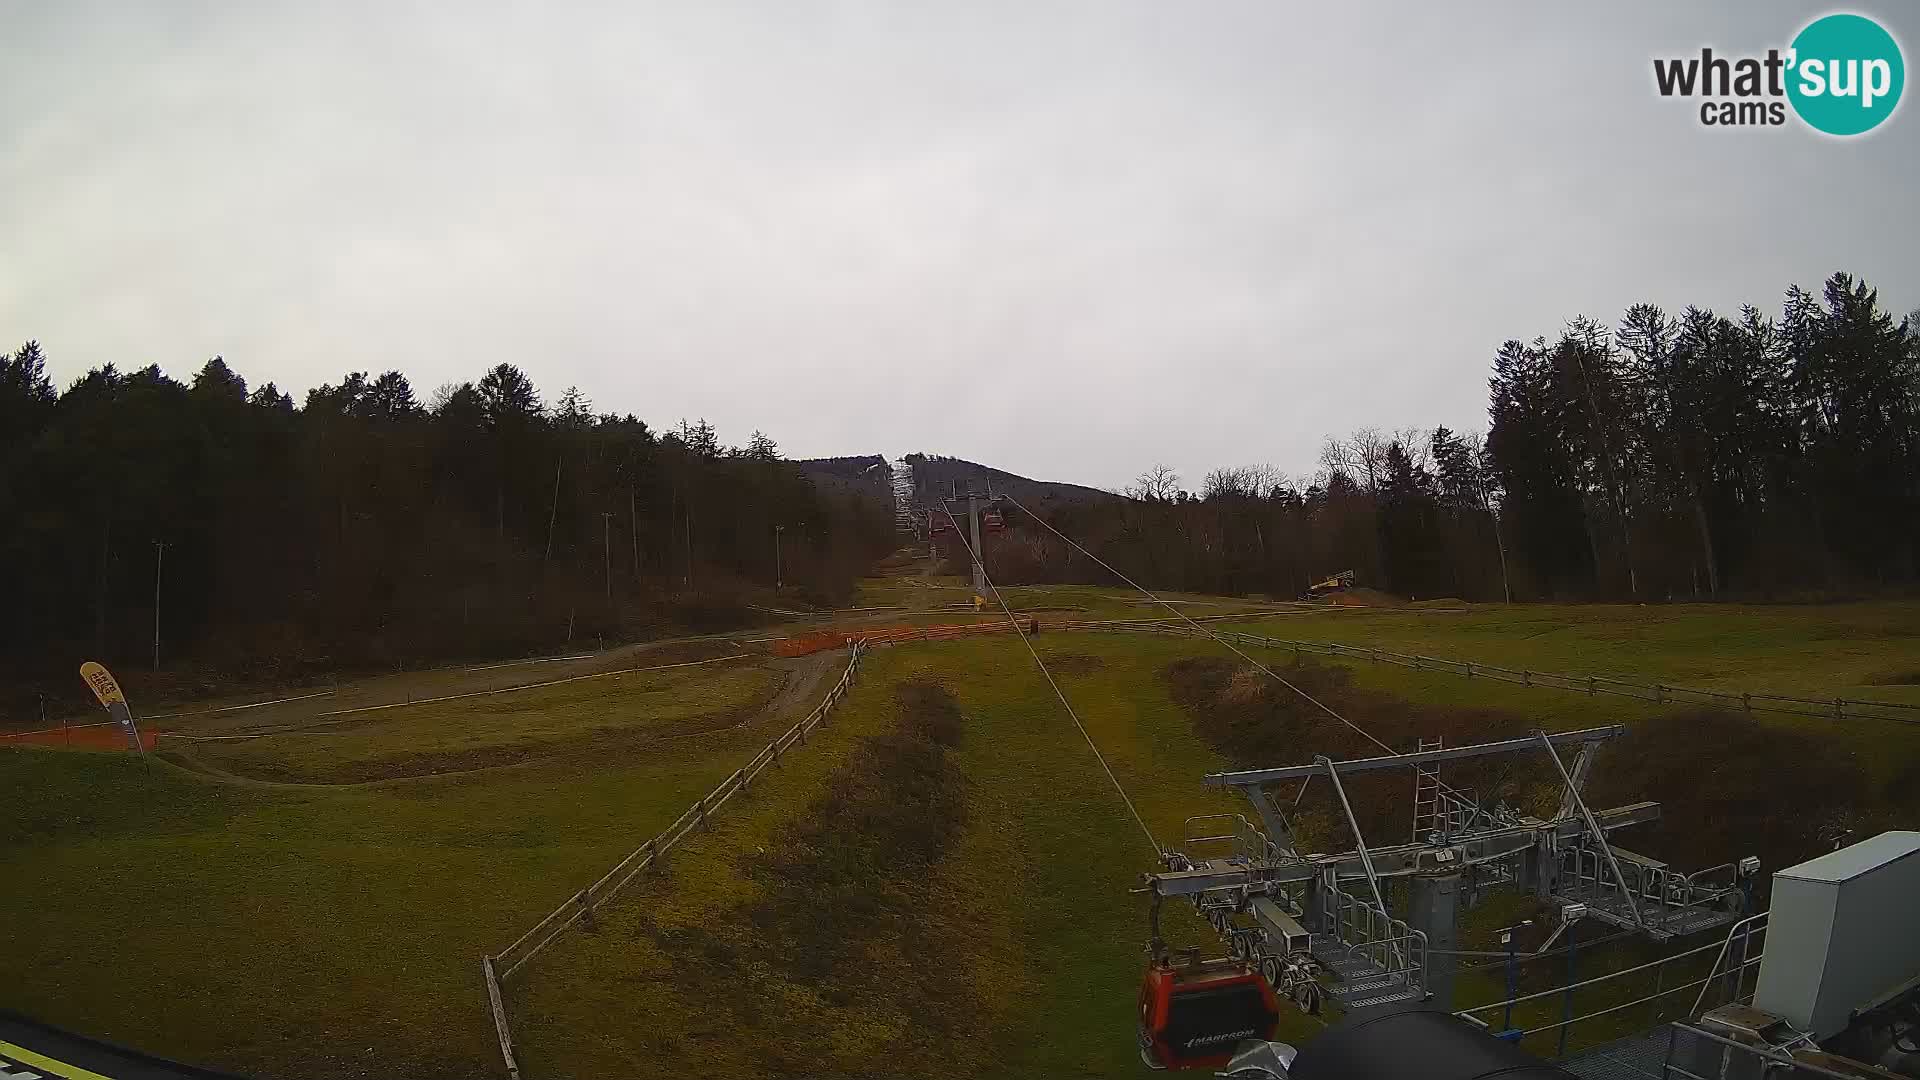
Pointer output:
x,y
1846,74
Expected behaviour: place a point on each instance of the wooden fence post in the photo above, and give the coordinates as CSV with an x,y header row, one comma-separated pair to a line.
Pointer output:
x,y
499,1017
586,911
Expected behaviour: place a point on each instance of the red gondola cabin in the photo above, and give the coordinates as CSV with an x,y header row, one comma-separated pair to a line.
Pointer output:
x,y
1193,1015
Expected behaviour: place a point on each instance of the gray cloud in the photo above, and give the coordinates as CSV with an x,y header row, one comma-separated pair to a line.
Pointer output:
x,y
1067,239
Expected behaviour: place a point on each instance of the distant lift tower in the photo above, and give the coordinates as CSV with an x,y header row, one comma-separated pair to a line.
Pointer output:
x,y
974,504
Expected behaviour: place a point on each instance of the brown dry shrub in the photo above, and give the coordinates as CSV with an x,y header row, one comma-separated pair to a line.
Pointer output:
x,y
1731,786
848,908
1256,721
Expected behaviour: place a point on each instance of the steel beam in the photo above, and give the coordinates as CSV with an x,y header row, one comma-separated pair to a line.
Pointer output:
x,y
1599,835
1359,841
1398,860
1262,777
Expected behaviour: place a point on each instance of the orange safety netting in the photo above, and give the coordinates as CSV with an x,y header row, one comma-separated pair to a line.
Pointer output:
x,y
820,640
84,736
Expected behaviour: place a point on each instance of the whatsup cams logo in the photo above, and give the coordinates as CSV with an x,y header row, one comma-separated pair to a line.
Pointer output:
x,y
1842,75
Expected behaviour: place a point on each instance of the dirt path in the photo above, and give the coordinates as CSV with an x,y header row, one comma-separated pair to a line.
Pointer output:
x,y
806,675
804,683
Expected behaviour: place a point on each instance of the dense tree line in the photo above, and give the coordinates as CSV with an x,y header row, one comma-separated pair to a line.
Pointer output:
x,y
1674,456
366,527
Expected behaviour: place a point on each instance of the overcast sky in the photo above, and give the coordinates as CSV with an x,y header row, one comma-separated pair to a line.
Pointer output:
x,y
1065,239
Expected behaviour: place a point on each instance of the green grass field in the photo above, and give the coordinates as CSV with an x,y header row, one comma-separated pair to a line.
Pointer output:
x,y
616,715
296,928
296,931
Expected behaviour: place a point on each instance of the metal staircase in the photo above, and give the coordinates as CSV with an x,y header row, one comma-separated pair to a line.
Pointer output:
x,y
1370,958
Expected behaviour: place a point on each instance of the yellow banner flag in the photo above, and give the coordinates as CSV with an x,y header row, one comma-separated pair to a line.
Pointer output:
x,y
103,684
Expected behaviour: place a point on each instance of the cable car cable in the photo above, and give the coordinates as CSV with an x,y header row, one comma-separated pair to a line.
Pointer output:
x,y
1276,676
1057,692
1364,733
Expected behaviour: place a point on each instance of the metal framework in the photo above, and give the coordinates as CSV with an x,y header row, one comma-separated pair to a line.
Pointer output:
x,y
1325,920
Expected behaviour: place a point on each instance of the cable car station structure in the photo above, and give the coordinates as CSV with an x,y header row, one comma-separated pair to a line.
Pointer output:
x,y
1319,924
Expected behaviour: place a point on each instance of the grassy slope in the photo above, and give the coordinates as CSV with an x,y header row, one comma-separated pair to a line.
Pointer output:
x,y
1825,649
600,715
285,934
302,703
1819,651
307,932
611,1003
1056,602
1049,852
1043,871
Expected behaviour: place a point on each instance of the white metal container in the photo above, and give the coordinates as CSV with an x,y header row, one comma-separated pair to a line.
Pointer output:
x,y
1844,929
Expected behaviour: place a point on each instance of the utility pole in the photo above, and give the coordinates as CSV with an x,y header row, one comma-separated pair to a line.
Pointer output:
x,y
633,527
159,554
553,512
606,542
1506,586
777,530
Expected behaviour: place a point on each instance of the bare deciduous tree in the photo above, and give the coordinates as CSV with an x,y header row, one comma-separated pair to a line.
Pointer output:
x,y
1160,483
1362,457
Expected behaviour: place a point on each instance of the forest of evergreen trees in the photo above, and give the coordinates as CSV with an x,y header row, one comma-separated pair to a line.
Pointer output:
x,y
1689,456
363,528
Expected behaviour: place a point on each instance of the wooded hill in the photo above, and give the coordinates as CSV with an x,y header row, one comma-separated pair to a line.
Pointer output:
x,y
365,528
1697,455
934,477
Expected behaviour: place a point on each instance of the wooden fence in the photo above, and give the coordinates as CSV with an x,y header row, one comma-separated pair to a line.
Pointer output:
x,y
1835,708
498,967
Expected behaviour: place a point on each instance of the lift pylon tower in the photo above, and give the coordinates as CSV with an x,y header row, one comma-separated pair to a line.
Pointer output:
x,y
973,504
1320,924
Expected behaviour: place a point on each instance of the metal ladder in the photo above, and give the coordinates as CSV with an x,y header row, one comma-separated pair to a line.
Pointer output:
x,y
1426,794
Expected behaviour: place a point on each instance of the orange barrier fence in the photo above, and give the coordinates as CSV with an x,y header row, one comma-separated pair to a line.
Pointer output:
x,y
103,736
821,640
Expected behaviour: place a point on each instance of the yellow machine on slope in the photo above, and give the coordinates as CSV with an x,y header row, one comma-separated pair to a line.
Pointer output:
x,y
1339,582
